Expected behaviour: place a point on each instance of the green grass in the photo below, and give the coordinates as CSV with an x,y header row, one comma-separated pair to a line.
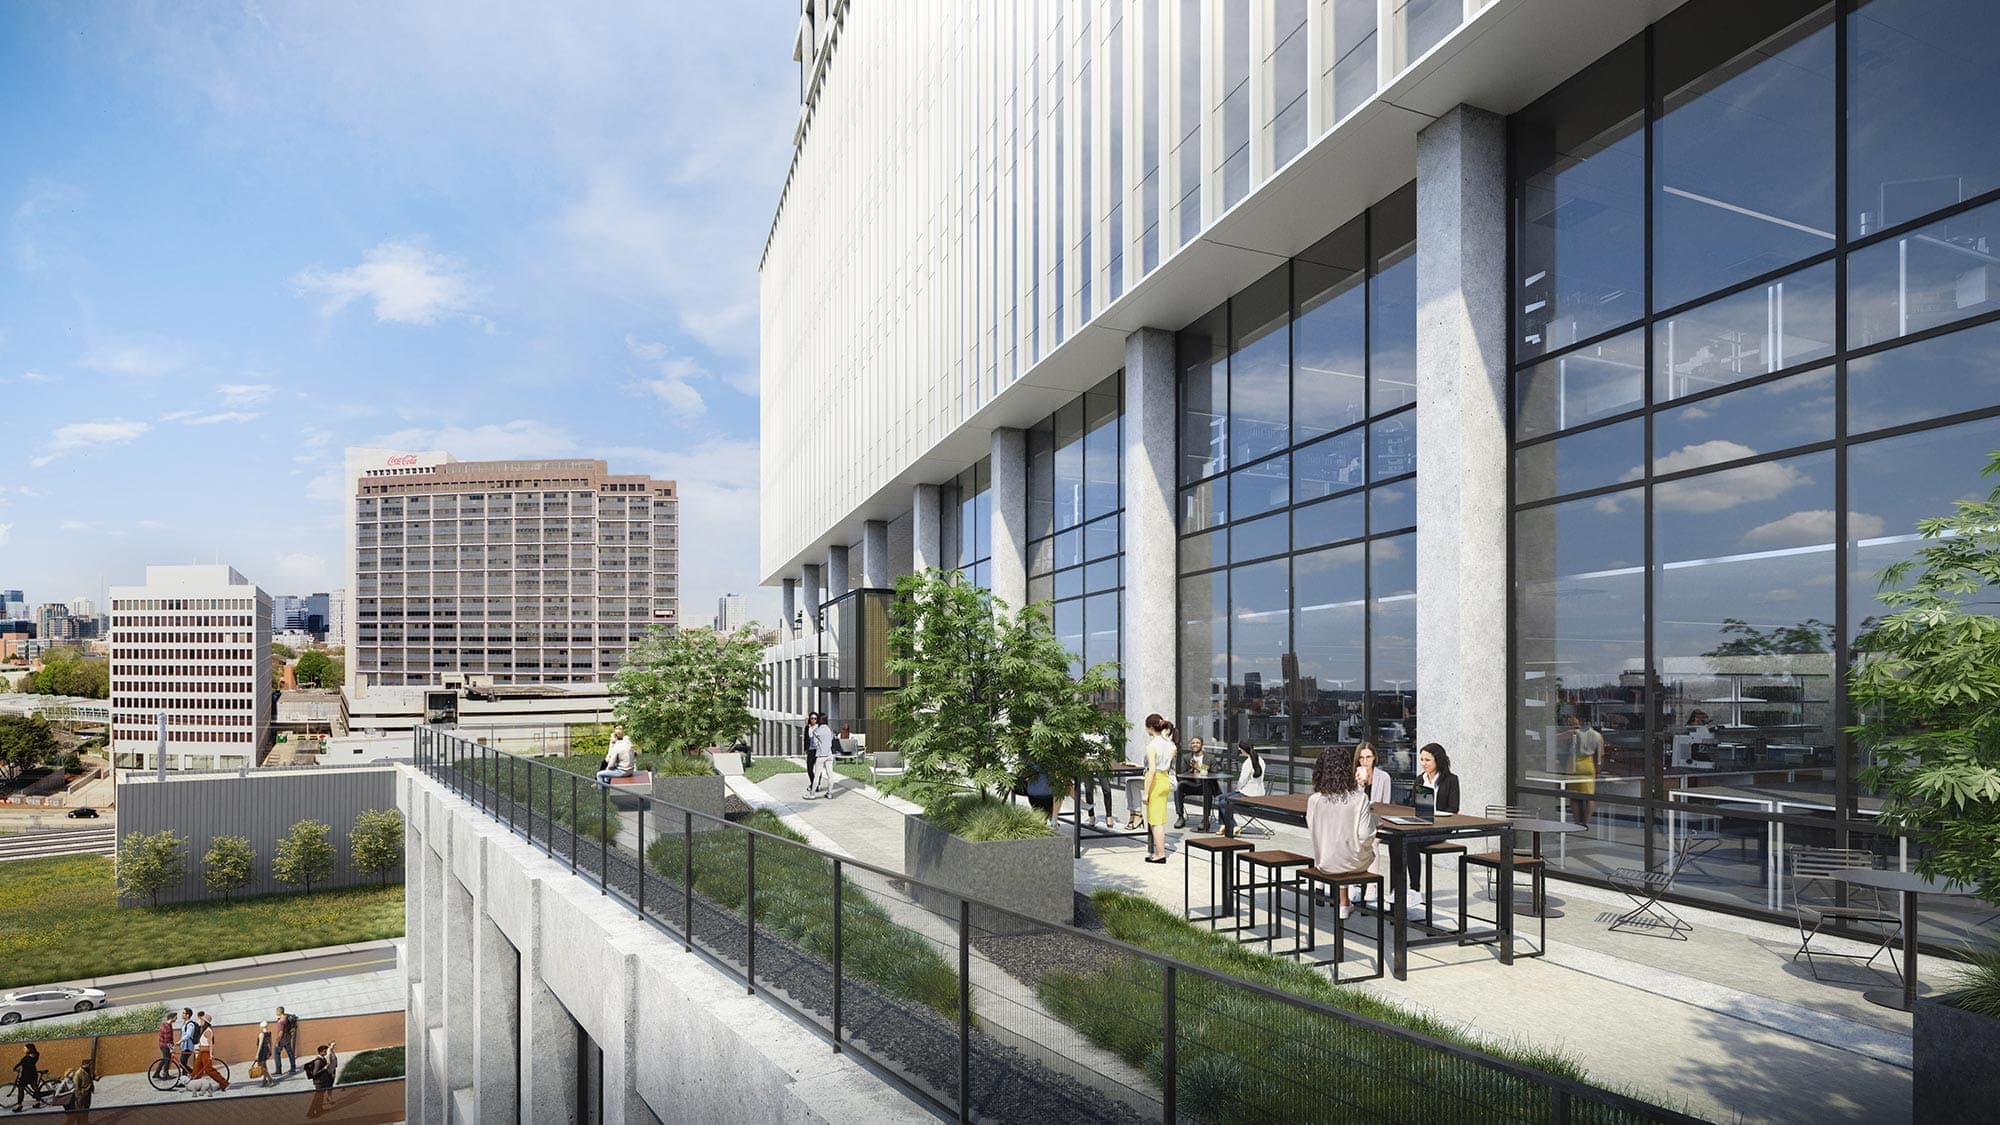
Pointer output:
x,y
1251,1058
124,1022
795,901
382,1062
666,765
764,769
547,796
978,819
60,920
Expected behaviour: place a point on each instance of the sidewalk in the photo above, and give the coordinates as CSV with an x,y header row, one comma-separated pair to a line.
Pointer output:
x,y
1723,1025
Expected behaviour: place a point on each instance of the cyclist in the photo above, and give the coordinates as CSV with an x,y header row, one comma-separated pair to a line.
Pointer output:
x,y
27,1077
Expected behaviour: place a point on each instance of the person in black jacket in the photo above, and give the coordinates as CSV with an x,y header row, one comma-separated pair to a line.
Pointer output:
x,y
1434,773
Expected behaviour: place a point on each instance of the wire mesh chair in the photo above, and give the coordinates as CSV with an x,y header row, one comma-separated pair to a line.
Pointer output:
x,y
1646,887
1816,900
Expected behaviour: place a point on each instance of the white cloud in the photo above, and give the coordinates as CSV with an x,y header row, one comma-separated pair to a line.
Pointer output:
x,y
1811,527
244,394
302,571
6,533
74,525
675,375
223,416
406,283
36,377
329,487
77,436
141,360
504,441
1721,491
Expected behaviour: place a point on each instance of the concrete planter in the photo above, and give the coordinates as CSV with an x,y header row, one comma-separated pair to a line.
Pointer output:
x,y
702,794
1953,1050
1035,878
727,762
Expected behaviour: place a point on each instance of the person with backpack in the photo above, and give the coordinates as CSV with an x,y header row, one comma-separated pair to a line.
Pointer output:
x,y
190,1036
322,1068
288,1042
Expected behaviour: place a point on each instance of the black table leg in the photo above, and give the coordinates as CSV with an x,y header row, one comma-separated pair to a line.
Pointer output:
x,y
1506,912
1906,998
1399,875
1207,803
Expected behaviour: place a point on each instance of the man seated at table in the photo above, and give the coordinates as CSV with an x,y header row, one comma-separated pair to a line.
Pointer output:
x,y
1196,762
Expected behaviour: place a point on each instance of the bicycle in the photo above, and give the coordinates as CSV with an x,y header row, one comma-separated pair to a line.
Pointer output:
x,y
37,1090
169,1074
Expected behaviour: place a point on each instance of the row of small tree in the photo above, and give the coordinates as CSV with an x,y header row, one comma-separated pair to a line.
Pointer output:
x,y
152,863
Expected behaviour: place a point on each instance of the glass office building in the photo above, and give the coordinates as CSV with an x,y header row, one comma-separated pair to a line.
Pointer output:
x,y
1696,319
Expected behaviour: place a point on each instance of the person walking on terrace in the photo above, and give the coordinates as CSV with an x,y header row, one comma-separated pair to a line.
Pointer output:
x,y
819,757
1159,779
618,760
190,1036
166,1039
204,1058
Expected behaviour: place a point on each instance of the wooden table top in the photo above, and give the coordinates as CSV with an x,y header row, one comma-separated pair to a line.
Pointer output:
x,y
1294,804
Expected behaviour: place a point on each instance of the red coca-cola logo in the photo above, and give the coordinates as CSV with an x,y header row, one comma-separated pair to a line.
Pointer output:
x,y
402,459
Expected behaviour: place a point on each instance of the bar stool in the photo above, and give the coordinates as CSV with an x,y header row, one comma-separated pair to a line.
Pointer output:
x,y
1430,853
1490,861
1221,853
1273,864
1311,879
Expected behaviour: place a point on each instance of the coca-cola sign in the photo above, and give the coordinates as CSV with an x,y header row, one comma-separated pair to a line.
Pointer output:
x,y
401,459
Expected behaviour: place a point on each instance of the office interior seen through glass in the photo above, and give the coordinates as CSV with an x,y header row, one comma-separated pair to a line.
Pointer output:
x,y
1298,499
1753,346
1076,541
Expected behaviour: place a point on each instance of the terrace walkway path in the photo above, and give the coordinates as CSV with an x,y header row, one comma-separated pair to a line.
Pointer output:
x,y
1723,1026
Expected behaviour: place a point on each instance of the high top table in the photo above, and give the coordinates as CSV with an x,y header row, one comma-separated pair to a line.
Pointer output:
x,y
1402,841
1909,884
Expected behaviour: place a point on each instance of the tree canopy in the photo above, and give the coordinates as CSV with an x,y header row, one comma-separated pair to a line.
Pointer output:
x,y
305,855
228,865
317,669
684,689
71,671
25,741
149,863
1926,683
376,842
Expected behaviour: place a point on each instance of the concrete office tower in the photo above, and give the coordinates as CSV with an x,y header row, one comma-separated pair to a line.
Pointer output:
x,y
729,615
193,642
1426,371
336,617
524,572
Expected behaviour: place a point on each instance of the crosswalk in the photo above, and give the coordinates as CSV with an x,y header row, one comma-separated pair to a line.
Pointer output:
x,y
68,841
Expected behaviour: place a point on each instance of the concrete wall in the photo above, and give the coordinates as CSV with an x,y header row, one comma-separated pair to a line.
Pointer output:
x,y
493,1034
263,806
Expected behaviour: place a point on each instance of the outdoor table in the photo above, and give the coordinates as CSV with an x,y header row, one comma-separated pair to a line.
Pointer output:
x,y
1909,884
1539,828
1117,773
1403,839
1210,789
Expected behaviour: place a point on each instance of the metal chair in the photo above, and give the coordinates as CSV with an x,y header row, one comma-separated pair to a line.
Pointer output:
x,y
1306,921
1645,887
1221,852
1816,901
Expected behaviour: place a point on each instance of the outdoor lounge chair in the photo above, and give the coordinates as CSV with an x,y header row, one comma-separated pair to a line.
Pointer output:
x,y
1646,886
1816,901
884,763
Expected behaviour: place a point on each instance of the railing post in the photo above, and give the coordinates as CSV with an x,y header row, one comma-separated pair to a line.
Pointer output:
x,y
838,895
574,842
1167,1062
603,838
510,793
750,912
642,857
964,1010
1558,1106
687,881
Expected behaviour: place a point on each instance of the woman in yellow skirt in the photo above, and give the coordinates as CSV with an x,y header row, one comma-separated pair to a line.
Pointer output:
x,y
1160,755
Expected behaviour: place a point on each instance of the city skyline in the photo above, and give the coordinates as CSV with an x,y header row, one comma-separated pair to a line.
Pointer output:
x,y
309,241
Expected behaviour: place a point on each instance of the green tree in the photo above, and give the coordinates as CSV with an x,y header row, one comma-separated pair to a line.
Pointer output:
x,y
71,671
25,741
691,688
988,696
376,842
149,863
228,865
1926,683
305,855
317,669
284,651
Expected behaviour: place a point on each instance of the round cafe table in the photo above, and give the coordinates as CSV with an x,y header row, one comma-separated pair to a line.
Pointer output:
x,y
1909,884
1538,828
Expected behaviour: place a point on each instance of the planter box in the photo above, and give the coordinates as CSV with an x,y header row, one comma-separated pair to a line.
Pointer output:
x,y
1035,878
1953,1076
702,794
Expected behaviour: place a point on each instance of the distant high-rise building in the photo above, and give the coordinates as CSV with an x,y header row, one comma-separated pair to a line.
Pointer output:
x,y
54,623
193,643
729,613
82,607
336,616
528,572
13,605
300,613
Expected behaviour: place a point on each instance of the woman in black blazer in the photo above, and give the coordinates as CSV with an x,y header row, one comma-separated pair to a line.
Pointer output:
x,y
1434,773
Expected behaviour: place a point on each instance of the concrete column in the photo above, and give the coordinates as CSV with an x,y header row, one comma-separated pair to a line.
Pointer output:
x,y
791,608
1148,619
926,527
549,1062
836,572
875,555
809,583
1462,447
496,1027
460,1015
1010,517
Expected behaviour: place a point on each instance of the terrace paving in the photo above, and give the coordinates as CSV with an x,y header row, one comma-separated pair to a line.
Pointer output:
x,y
1724,1026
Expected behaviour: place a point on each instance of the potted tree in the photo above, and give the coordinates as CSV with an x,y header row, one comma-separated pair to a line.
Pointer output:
x,y
678,694
989,701
1926,684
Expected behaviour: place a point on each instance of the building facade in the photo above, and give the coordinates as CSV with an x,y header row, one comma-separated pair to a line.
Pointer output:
x,y
729,614
513,572
301,613
1139,307
193,645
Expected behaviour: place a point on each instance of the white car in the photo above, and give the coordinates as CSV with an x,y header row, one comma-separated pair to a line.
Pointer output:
x,y
18,1006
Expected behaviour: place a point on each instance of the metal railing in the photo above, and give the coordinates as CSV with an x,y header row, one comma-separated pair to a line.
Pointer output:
x,y
1048,1022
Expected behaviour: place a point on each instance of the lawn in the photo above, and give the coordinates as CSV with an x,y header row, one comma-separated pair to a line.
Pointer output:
x,y
59,920
763,769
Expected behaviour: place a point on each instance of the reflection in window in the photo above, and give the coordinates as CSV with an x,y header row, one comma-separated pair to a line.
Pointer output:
x,y
1921,76
1204,659
1392,446
1931,276
1329,626
1287,64
1932,378
1204,396
1592,382
1392,302
1766,418
1352,59
1233,111
1329,466
1755,332
1260,608
1330,332
1896,482
1591,459
1260,368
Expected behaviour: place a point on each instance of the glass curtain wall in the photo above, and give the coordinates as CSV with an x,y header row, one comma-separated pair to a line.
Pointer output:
x,y
1752,349
1076,542
1298,499
967,506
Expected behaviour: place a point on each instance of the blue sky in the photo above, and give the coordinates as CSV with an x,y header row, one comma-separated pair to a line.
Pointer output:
x,y
238,238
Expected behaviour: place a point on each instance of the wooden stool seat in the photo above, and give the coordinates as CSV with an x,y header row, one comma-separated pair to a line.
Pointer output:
x,y
1340,878
1272,863
1219,844
1445,847
1492,859
1275,858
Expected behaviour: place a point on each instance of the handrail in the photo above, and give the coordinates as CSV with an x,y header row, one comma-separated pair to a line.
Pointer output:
x,y
1563,1092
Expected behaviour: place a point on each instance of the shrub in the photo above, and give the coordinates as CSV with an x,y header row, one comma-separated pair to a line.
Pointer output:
x,y
149,863
1981,982
977,818
367,1066
228,865
305,856
376,842
675,764
126,1021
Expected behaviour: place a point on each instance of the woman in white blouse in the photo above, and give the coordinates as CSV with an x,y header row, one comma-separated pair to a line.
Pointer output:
x,y
1374,782
1249,783
1340,819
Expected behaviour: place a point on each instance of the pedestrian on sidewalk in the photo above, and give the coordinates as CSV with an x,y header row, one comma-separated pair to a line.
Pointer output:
x,y
190,1035
819,757
322,1068
287,1046
78,1087
261,1070
27,1072
167,1040
204,1058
